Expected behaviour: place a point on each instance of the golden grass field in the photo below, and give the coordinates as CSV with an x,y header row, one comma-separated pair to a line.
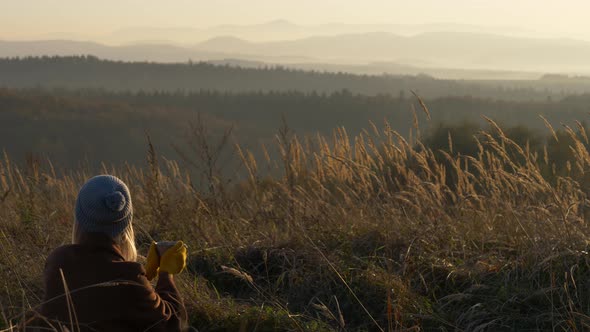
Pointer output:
x,y
367,233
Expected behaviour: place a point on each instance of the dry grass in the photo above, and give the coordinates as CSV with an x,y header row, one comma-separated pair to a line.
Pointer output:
x,y
359,233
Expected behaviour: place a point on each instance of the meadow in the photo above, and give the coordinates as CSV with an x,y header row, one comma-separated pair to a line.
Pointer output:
x,y
375,232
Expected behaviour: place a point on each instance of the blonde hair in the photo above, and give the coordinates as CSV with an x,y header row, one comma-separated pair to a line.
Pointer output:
x,y
125,241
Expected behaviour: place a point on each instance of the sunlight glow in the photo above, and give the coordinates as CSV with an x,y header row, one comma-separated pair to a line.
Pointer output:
x,y
84,19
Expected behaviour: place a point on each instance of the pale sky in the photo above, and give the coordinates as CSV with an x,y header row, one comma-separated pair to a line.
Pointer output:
x,y
37,18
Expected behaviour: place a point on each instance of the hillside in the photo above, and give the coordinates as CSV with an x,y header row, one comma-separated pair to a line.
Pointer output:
x,y
88,127
358,233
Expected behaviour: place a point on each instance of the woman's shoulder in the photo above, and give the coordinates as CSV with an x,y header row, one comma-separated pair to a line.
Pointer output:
x,y
61,254
83,257
81,269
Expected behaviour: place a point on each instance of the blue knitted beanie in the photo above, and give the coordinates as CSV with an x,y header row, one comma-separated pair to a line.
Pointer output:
x,y
104,205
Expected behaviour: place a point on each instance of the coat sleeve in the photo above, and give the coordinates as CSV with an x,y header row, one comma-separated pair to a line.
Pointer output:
x,y
160,309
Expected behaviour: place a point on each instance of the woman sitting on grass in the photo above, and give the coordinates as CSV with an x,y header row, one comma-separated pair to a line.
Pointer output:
x,y
95,283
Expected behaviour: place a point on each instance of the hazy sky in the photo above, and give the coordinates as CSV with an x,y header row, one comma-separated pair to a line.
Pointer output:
x,y
34,18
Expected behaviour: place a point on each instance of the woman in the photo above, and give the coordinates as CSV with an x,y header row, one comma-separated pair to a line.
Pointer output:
x,y
95,284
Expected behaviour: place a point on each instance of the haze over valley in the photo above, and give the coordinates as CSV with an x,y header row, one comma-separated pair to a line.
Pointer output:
x,y
454,51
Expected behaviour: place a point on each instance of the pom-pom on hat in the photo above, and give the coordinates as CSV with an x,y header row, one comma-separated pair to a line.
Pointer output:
x,y
104,205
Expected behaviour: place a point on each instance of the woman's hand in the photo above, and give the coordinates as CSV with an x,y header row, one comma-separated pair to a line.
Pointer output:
x,y
173,260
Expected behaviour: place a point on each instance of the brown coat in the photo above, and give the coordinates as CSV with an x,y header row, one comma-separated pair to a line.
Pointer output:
x,y
107,292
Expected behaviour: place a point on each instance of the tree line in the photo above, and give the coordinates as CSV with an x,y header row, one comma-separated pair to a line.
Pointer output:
x,y
83,72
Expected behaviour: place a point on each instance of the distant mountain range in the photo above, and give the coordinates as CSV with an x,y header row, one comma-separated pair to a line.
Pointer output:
x,y
434,49
285,30
375,52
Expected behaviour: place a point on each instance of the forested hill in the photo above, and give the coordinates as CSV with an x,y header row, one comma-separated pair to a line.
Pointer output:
x,y
77,72
73,127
